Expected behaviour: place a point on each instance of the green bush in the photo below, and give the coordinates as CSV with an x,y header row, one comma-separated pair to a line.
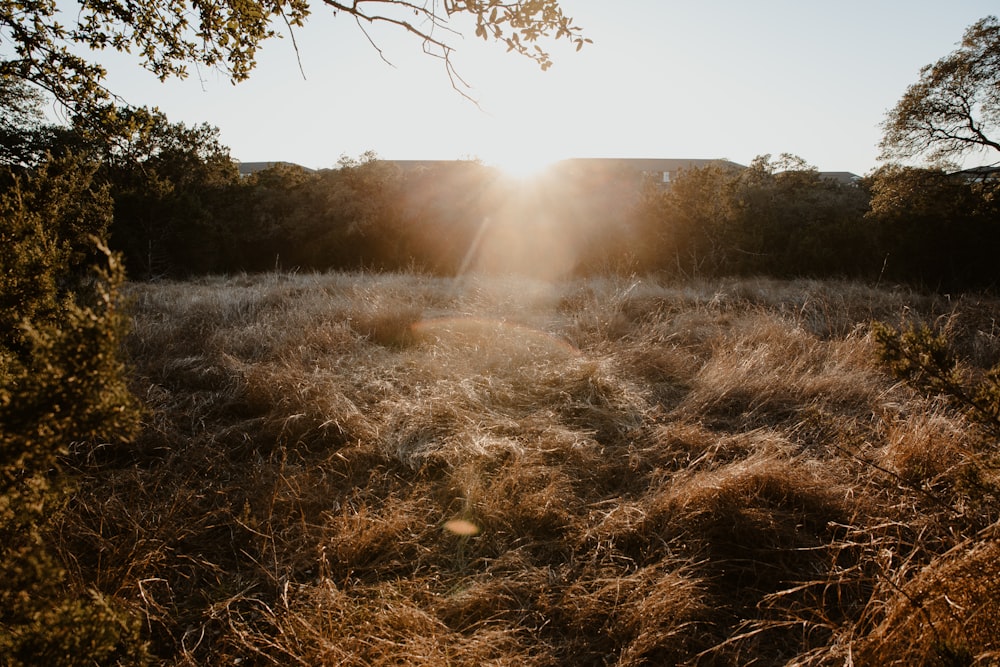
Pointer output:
x,y
62,385
925,360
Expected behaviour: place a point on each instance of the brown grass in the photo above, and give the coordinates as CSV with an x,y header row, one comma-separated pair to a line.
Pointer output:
x,y
388,469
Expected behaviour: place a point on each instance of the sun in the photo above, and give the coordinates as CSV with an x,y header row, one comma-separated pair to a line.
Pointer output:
x,y
523,165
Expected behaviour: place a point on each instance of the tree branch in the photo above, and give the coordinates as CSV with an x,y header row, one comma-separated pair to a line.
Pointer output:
x,y
955,104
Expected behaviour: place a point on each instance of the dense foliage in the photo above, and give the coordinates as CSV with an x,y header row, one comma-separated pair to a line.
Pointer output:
x,y
779,218
934,228
62,386
181,208
927,360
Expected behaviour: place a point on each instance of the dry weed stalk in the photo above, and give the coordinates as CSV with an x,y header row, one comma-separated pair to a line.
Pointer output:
x,y
705,473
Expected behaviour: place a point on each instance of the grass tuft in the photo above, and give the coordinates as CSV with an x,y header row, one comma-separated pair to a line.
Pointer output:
x,y
354,469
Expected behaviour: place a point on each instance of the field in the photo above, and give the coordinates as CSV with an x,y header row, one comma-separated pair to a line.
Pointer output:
x,y
365,469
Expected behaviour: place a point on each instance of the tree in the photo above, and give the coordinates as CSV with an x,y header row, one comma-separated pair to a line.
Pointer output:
x,y
934,228
777,217
954,108
788,220
690,220
169,182
169,35
21,122
270,206
360,216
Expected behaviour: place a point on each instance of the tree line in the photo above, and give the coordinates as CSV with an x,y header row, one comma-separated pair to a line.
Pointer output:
x,y
182,209
177,206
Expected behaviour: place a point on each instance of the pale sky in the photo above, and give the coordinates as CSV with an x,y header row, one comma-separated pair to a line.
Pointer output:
x,y
663,79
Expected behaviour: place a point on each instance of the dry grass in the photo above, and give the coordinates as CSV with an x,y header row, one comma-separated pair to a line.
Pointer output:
x,y
948,614
393,469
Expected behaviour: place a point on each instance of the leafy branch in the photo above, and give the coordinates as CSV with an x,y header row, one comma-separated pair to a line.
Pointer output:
x,y
170,35
925,360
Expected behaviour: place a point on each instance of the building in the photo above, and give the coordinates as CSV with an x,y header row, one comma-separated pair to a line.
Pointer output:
x,y
842,177
986,174
662,170
247,168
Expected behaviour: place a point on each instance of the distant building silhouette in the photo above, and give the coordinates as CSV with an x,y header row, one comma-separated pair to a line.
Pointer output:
x,y
985,174
842,177
662,170
247,168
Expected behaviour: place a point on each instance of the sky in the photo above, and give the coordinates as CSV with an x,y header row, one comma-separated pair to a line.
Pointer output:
x,y
710,79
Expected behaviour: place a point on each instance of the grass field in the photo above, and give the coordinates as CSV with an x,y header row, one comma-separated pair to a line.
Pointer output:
x,y
363,469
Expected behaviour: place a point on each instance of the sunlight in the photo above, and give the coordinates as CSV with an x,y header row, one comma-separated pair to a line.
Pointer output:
x,y
524,164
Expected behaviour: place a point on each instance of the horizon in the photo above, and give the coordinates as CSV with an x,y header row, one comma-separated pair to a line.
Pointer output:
x,y
270,163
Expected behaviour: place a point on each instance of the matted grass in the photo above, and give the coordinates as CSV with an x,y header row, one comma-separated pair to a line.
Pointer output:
x,y
358,469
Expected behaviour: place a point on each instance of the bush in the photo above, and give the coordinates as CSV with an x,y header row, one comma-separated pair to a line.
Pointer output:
x,y
926,360
935,229
62,386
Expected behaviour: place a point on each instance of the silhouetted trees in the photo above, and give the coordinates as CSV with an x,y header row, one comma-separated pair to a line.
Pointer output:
x,y
936,229
776,217
172,187
180,208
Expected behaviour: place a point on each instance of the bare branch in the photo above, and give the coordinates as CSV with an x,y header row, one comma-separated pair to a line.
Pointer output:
x,y
295,44
955,107
170,35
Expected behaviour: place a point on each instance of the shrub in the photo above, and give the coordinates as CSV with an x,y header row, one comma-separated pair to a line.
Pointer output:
x,y
62,386
926,360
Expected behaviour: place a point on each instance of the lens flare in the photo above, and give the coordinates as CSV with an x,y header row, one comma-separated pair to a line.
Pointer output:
x,y
461,527
523,166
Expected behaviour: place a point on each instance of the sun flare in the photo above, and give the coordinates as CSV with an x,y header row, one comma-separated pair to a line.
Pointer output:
x,y
523,165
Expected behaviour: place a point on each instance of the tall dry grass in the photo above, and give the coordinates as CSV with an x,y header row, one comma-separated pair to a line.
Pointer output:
x,y
394,469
